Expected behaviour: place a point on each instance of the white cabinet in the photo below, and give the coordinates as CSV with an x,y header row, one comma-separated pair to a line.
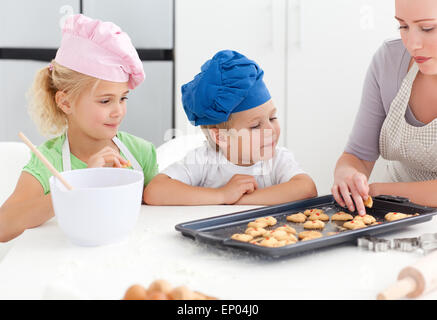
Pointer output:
x,y
29,23
16,77
330,46
149,23
149,107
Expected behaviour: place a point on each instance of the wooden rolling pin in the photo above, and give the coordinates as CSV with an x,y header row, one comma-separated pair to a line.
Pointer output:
x,y
414,280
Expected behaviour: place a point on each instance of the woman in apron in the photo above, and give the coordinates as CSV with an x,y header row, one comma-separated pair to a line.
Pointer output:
x,y
80,97
398,116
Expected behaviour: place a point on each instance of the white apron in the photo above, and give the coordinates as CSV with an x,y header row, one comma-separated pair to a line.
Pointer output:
x,y
412,151
66,155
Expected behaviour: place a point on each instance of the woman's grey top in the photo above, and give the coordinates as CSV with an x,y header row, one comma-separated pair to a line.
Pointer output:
x,y
388,68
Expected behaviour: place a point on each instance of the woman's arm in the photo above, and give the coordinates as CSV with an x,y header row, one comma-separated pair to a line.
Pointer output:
x,y
422,192
299,187
27,207
350,163
351,181
351,173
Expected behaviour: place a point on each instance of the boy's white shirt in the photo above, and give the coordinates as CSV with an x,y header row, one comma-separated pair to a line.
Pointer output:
x,y
205,167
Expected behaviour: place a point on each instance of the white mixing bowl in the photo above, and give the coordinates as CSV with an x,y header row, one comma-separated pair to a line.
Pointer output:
x,y
103,206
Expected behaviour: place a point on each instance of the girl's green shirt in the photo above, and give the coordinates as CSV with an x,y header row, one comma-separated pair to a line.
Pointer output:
x,y
143,151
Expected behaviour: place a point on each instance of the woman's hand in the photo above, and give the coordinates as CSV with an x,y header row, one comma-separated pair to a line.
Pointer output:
x,y
351,184
237,186
107,157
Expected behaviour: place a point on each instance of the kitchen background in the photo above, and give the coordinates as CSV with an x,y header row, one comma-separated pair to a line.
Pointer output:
x,y
315,54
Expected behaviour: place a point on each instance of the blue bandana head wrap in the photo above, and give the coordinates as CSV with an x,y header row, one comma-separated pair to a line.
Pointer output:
x,y
227,83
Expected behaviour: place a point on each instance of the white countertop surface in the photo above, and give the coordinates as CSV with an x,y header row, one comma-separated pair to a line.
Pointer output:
x,y
43,264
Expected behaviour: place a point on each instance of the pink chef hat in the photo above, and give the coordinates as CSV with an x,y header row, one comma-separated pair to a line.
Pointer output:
x,y
99,49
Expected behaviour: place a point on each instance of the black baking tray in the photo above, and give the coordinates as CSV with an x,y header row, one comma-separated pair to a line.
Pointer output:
x,y
216,231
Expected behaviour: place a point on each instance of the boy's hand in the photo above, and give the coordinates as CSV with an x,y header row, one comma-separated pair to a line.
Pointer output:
x,y
107,157
237,186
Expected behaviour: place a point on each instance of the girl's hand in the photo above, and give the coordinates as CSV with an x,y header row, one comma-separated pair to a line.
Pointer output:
x,y
351,185
237,186
107,157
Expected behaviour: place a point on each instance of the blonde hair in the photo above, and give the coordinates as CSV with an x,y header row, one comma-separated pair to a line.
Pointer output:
x,y
43,109
205,129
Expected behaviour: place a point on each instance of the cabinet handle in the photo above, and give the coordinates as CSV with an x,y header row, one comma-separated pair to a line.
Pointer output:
x,y
294,24
299,11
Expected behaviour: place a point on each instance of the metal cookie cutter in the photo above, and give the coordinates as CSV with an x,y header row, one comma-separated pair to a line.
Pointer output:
x,y
374,244
426,242
406,244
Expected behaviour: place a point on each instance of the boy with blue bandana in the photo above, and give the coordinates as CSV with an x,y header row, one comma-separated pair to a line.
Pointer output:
x,y
240,163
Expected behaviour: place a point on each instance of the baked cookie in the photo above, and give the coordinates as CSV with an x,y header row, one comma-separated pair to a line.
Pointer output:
x,y
279,235
341,216
242,237
309,234
127,165
287,229
269,242
319,216
309,212
354,224
286,242
254,224
271,221
369,202
309,238
367,219
255,232
314,224
256,240
292,237
262,222
331,233
393,216
297,217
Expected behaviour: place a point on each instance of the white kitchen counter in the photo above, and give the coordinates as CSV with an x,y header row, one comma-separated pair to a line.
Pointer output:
x,y
43,264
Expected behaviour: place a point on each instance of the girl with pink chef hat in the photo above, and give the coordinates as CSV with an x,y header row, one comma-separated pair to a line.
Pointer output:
x,y
80,99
